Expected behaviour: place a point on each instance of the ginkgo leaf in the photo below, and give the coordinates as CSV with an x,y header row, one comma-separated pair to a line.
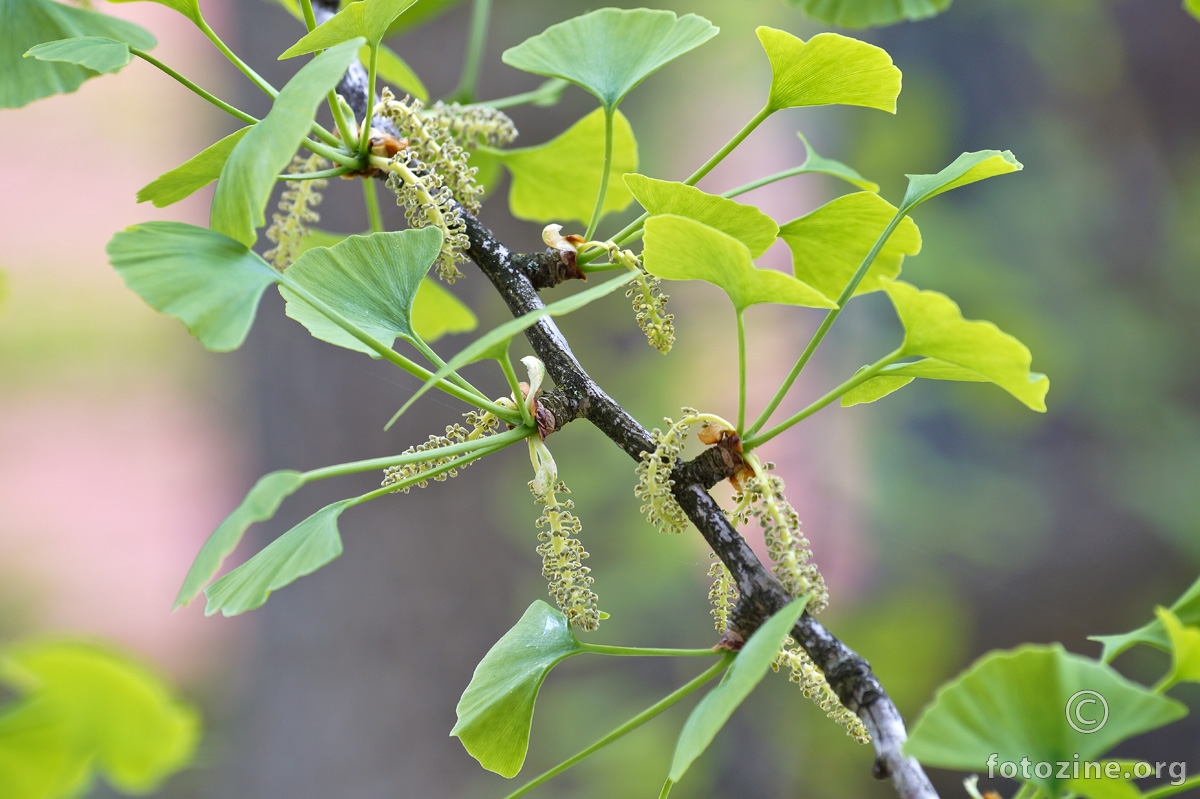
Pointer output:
x,y
1185,648
496,711
1035,702
302,550
1186,609
677,248
366,18
370,280
967,168
192,175
38,756
259,505
610,51
829,244
828,69
744,674
436,312
267,148
394,71
813,162
1104,780
869,13
558,180
204,279
25,24
934,327
1192,7
116,715
898,375
745,223
189,8
91,52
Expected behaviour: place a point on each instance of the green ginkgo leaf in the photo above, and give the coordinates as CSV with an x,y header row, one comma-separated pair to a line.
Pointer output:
x,y
558,180
192,175
259,505
436,312
745,223
204,279
267,148
869,13
744,674
38,757
677,248
934,328
610,51
189,8
368,19
370,280
1186,609
300,551
25,24
1094,780
813,162
1035,702
91,52
967,168
496,711
829,244
1185,648
1192,7
115,715
898,375
828,69
393,70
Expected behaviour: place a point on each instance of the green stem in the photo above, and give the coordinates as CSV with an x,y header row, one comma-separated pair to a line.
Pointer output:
x,y
826,323
515,384
335,154
627,727
372,200
310,19
737,139
245,69
437,361
741,330
637,651
666,789
364,133
547,92
320,174
476,41
374,464
598,211
758,184
217,101
858,378
1025,791
1170,790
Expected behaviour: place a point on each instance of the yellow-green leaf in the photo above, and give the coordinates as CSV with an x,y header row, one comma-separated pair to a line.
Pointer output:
x,y
366,18
1153,633
967,168
96,53
828,69
1185,648
436,312
898,375
192,175
189,8
813,162
1192,7
869,13
1105,779
745,223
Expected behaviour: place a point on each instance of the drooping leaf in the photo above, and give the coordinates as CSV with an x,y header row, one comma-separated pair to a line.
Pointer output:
x,y
113,714
610,51
829,244
934,328
27,23
393,71
368,19
828,69
1185,648
898,375
1032,702
496,711
258,506
967,168
436,312
558,180
1186,609
813,162
494,343
189,8
869,13
684,249
744,674
91,52
370,280
267,148
192,175
745,223
204,279
302,550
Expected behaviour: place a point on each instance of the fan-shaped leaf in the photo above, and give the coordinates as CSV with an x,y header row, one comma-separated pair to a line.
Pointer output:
x,y
192,175
828,69
1185,648
302,550
610,51
393,70
869,13
204,279
1030,703
934,327
745,223
189,8
898,375
829,244
496,711
813,162
967,168
267,148
37,757
436,312
1186,609
366,18
259,505
684,249
91,52
371,280
558,180
27,23
747,670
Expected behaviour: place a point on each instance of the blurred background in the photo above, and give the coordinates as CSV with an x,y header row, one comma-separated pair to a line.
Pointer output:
x,y
948,519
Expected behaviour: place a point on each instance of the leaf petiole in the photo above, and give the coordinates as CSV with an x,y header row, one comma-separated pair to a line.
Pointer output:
x,y
473,60
741,331
637,651
598,211
355,467
515,384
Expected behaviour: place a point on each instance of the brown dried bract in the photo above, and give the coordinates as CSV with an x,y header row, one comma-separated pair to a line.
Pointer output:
x,y
730,642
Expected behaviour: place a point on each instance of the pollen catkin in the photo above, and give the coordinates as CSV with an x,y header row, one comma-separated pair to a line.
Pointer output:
x,y
812,682
482,423
723,594
650,306
570,582
296,204
654,475
472,126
